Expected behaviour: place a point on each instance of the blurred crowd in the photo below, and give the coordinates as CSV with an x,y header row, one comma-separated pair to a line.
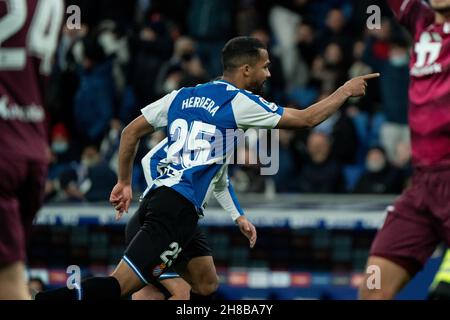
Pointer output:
x,y
127,54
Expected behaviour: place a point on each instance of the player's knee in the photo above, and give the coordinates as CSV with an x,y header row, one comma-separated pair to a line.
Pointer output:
x,y
181,295
127,280
208,285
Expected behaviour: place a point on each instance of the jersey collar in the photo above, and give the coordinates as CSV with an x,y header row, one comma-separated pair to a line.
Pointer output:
x,y
226,83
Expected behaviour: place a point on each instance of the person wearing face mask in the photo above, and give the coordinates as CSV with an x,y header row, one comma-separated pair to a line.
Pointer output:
x,y
99,178
89,180
393,89
380,177
395,99
61,154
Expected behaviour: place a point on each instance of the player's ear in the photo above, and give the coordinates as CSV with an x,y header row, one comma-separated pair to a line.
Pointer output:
x,y
246,69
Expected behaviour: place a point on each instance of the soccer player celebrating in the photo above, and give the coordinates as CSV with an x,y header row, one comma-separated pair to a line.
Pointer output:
x,y
420,217
28,40
200,124
170,285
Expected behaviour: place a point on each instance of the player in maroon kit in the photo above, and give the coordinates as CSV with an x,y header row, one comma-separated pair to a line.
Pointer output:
x,y
29,31
420,217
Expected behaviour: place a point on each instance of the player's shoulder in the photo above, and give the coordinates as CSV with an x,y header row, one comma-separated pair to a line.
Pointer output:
x,y
245,97
220,87
420,12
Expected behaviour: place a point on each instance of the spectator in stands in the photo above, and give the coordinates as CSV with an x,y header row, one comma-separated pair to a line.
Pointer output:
x,y
210,23
402,162
343,133
246,175
95,99
62,153
359,67
312,37
393,64
380,176
335,67
307,48
89,180
286,177
150,47
110,145
336,31
184,48
193,71
275,86
320,173
394,91
376,55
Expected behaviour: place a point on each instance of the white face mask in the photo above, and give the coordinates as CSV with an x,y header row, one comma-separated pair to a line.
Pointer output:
x,y
170,85
89,162
59,147
375,166
399,61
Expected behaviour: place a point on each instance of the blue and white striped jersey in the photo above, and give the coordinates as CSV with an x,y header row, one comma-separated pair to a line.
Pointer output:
x,y
155,164
203,125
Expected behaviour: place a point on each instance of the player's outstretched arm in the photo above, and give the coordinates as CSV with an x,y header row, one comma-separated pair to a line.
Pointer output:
x,y
320,111
121,194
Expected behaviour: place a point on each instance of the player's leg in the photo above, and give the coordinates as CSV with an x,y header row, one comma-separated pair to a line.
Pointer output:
x,y
12,282
149,292
168,225
393,278
123,280
12,252
178,288
439,195
196,266
169,286
12,239
127,278
401,247
202,276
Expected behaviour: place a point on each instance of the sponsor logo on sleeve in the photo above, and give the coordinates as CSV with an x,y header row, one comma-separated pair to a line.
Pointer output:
x,y
272,106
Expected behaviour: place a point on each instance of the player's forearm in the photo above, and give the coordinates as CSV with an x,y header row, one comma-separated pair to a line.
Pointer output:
x,y
323,109
127,151
129,140
227,206
315,114
225,200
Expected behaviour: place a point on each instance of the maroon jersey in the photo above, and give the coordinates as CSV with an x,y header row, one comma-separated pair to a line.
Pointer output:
x,y
429,91
29,31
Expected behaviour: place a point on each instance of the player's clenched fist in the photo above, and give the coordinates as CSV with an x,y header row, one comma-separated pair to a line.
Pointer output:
x,y
356,87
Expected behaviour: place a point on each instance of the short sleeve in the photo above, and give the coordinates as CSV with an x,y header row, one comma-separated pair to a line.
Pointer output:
x,y
156,112
252,111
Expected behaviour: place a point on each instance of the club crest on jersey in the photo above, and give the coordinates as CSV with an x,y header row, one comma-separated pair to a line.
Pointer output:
x,y
427,51
158,270
272,106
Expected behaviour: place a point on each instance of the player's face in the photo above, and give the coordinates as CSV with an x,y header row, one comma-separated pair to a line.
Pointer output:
x,y
259,72
440,5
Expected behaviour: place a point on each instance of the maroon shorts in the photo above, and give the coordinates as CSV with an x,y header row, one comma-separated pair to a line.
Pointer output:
x,y
417,222
22,185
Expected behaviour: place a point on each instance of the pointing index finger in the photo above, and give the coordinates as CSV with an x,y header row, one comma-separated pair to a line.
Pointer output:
x,y
370,76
